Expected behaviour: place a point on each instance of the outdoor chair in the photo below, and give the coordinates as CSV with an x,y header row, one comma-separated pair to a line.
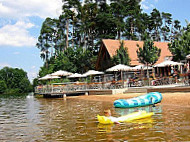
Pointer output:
x,y
171,80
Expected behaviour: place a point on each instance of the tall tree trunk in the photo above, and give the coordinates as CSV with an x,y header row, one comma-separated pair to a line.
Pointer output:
x,y
72,38
67,35
119,35
131,32
51,51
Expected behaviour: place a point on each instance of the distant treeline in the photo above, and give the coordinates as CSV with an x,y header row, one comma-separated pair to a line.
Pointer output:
x,y
71,42
14,80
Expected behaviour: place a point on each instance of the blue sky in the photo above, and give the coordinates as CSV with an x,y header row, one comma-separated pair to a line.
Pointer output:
x,y
21,20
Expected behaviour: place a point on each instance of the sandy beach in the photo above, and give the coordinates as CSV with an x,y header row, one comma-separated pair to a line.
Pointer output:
x,y
178,98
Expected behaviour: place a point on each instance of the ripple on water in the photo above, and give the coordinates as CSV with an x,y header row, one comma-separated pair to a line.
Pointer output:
x,y
39,119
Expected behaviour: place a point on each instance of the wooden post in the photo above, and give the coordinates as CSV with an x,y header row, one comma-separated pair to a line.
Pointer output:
x,y
64,95
51,88
122,79
86,93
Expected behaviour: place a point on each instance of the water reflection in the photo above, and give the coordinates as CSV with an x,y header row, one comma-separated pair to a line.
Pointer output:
x,y
135,124
125,111
27,118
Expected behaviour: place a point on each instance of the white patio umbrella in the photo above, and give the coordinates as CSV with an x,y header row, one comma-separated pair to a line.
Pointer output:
x,y
92,72
48,76
76,75
188,56
139,67
119,67
61,73
168,63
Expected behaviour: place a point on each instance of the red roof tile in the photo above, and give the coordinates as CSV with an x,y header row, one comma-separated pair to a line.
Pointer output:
x,y
113,45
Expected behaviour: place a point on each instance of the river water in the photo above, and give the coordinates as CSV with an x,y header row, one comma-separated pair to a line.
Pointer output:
x,y
28,118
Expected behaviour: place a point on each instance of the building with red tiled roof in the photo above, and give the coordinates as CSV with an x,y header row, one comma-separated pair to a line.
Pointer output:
x,y
109,47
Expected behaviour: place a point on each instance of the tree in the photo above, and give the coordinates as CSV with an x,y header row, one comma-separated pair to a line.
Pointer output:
x,y
166,28
156,22
118,11
68,12
45,39
143,26
72,59
180,47
148,54
132,14
106,23
75,37
176,30
3,86
24,85
15,80
122,56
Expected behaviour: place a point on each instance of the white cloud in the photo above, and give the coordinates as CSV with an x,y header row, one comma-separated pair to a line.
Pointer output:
x,y
143,6
146,5
16,35
2,65
31,75
25,8
33,67
4,10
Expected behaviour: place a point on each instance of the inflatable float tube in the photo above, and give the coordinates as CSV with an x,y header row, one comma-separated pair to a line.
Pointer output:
x,y
126,118
144,100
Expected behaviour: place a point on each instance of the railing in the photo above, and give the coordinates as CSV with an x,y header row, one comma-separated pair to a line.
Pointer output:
x,y
81,86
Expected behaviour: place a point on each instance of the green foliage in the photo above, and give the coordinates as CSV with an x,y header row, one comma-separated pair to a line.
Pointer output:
x,y
180,46
105,23
3,86
12,91
122,56
72,59
34,83
86,25
15,79
24,86
166,28
156,23
149,54
59,80
72,41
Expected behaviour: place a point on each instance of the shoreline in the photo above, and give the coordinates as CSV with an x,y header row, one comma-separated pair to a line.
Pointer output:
x,y
177,98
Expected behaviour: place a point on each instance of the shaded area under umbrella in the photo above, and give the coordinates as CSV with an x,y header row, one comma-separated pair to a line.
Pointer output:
x,y
168,63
